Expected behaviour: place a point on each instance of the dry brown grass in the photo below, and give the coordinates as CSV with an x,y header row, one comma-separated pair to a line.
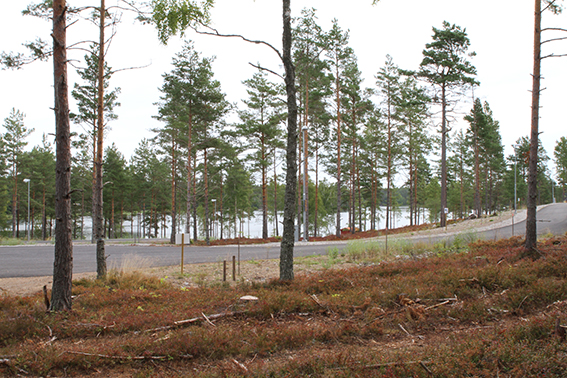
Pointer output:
x,y
480,312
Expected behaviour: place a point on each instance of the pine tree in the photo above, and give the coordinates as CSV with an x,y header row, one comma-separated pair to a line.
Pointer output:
x,y
39,167
313,88
191,99
87,98
260,129
14,143
114,167
338,55
357,107
444,66
388,82
412,112
560,154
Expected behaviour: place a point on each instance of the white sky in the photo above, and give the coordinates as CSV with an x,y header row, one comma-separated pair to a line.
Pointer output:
x,y
501,34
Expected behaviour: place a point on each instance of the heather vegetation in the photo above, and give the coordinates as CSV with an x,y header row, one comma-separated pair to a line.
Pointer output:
x,y
428,311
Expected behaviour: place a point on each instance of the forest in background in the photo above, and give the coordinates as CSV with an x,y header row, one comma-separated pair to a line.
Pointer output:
x,y
366,147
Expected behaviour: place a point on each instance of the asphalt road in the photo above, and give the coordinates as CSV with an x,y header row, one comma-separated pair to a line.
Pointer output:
x,y
37,260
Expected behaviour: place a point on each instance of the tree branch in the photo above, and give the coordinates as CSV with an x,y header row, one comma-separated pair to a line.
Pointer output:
x,y
266,69
554,29
554,40
555,8
553,56
215,33
129,68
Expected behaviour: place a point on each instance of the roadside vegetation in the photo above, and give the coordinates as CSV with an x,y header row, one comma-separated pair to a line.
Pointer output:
x,y
455,310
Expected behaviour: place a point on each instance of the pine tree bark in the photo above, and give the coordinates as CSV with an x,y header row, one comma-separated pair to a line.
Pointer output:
x,y
277,227
338,230
287,244
97,195
206,200
476,141
63,262
411,173
316,215
264,190
189,175
15,223
443,156
173,189
531,225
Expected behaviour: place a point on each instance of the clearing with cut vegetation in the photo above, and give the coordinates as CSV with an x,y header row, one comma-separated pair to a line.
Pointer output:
x,y
444,311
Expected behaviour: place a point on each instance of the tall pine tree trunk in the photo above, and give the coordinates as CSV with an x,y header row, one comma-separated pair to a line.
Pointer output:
x,y
173,191
287,244
338,100
206,200
476,141
531,225
189,176
97,195
44,218
63,262
15,223
264,191
305,184
276,196
443,156
316,215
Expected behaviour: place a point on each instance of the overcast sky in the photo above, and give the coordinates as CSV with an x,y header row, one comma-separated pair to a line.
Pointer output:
x,y
501,33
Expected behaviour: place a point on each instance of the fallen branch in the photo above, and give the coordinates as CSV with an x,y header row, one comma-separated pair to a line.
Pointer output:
x,y
437,305
240,365
425,367
119,357
6,360
318,302
207,319
388,364
194,320
521,303
409,334
403,329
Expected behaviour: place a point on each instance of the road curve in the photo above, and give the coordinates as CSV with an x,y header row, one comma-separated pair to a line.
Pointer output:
x,y
37,260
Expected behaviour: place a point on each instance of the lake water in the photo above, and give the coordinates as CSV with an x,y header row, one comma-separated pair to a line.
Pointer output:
x,y
250,227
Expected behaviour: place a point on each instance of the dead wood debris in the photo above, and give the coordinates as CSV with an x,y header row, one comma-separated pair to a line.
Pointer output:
x,y
138,358
204,317
389,364
240,365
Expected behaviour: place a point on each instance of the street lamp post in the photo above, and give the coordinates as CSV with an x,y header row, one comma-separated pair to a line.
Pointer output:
x,y
28,225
